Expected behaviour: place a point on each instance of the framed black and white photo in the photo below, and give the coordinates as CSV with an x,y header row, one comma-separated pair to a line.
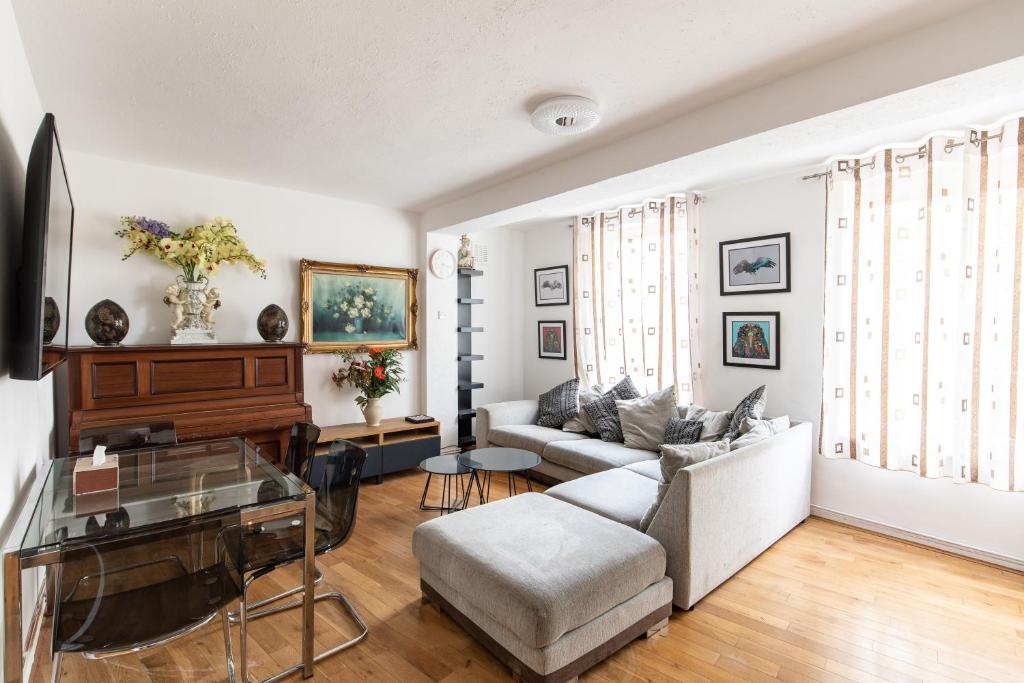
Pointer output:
x,y
551,339
551,286
751,340
754,265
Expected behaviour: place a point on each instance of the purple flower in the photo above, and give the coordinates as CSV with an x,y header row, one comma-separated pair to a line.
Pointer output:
x,y
157,228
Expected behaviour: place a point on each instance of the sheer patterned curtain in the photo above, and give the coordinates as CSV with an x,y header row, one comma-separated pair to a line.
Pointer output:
x,y
635,277
923,308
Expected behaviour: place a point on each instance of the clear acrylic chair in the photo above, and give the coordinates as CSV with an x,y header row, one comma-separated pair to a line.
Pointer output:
x,y
129,590
335,478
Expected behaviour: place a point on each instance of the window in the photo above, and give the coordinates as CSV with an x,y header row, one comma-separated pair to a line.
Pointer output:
x,y
922,353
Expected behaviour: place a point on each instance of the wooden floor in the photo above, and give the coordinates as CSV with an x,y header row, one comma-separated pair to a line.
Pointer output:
x,y
826,603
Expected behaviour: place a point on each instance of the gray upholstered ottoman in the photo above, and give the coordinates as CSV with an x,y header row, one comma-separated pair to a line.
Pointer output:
x,y
550,589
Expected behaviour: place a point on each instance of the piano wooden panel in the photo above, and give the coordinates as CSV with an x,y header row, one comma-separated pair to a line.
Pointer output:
x,y
208,391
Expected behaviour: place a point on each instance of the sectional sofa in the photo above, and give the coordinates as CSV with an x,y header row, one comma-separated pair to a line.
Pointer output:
x,y
717,516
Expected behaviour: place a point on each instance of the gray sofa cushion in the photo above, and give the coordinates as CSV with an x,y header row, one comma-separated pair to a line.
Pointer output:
x,y
529,437
556,406
649,468
592,455
644,419
675,458
536,565
620,495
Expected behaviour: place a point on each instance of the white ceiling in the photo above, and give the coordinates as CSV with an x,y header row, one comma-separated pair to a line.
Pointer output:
x,y
410,104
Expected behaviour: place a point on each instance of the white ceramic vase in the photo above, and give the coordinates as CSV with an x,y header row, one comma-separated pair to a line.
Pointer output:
x,y
372,412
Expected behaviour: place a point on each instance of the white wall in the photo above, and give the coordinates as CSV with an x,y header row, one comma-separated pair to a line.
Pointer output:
x,y
280,225
546,245
970,515
26,408
501,316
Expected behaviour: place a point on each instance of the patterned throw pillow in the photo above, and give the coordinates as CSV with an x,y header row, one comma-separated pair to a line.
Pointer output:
x,y
558,405
605,415
581,424
681,431
751,406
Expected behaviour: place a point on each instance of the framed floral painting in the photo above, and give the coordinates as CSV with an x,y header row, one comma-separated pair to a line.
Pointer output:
x,y
346,306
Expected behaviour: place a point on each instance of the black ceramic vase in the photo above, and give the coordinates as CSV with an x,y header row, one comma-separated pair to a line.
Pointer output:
x,y
272,323
106,323
51,320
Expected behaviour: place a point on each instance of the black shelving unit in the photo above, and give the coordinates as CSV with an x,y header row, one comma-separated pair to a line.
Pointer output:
x,y
466,357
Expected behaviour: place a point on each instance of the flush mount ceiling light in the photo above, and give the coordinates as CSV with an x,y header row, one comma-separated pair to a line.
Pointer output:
x,y
565,115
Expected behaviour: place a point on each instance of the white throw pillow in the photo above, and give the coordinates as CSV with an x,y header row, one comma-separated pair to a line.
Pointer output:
x,y
715,422
752,431
644,419
675,457
582,424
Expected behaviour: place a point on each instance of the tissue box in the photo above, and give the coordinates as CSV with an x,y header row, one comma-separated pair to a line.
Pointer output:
x,y
90,479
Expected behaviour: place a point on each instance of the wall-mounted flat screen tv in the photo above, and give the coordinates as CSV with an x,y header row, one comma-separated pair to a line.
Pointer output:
x,y
44,273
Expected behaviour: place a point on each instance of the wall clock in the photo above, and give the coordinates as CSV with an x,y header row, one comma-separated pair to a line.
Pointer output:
x,y
442,263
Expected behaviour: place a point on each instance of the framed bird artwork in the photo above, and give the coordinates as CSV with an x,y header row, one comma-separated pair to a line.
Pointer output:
x,y
754,265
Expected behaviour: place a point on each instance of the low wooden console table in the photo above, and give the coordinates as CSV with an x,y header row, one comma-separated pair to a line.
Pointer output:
x,y
392,446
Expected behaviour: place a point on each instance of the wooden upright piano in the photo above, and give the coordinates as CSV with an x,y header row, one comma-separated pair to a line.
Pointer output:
x,y
209,391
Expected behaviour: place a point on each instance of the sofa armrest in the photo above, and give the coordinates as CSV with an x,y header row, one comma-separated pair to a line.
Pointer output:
x,y
500,414
720,514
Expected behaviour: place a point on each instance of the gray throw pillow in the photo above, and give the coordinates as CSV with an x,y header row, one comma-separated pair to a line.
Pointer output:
x,y
682,431
751,406
675,458
558,405
715,422
644,419
752,431
605,415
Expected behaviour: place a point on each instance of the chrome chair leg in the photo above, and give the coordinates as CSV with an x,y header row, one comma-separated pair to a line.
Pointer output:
x,y
245,616
55,671
349,609
234,616
228,655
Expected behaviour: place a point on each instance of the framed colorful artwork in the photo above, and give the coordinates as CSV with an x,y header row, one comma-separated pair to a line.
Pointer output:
x,y
551,339
348,306
754,265
751,340
551,286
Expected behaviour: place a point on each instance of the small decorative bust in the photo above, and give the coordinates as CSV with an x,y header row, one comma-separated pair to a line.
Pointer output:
x,y
465,253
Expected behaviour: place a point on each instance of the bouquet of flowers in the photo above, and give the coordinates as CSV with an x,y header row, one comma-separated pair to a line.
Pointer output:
x,y
198,251
374,377
356,305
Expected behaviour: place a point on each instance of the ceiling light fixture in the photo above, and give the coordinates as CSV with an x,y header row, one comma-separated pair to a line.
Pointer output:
x,y
565,115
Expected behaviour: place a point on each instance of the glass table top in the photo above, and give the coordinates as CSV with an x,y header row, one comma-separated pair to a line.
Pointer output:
x,y
158,485
499,459
444,464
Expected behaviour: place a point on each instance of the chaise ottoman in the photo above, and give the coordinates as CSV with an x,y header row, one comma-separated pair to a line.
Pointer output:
x,y
549,588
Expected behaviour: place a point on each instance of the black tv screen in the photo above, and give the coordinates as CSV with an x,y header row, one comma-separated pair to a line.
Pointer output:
x,y
43,276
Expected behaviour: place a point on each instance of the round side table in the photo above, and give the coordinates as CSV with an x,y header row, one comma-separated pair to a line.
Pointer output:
x,y
512,461
453,494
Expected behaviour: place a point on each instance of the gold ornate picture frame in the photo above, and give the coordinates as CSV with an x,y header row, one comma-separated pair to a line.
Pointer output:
x,y
346,306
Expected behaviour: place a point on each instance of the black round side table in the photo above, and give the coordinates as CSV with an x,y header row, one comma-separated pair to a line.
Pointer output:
x,y
453,494
490,460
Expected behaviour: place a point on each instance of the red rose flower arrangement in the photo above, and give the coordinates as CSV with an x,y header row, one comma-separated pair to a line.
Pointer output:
x,y
375,376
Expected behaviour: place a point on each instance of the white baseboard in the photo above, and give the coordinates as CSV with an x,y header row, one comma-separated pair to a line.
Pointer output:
x,y
922,539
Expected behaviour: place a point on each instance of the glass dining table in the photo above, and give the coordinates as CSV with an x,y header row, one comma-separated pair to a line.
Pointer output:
x,y
158,486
